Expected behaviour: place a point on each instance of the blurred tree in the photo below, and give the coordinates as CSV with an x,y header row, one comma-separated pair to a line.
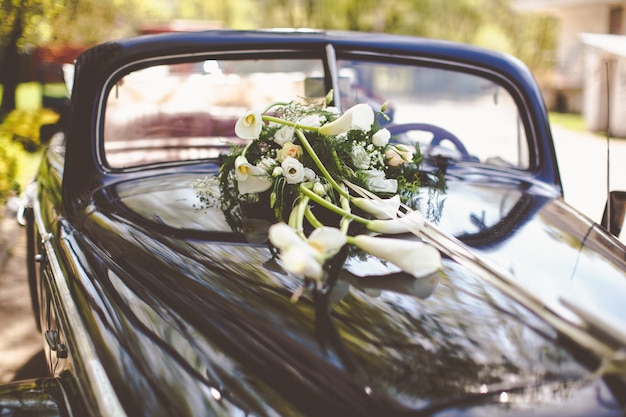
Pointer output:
x,y
490,23
16,16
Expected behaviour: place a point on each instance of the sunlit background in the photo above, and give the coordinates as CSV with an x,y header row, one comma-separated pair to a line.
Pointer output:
x,y
574,48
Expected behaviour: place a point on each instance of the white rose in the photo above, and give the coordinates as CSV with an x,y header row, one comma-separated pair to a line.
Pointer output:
x,y
284,135
309,174
312,120
381,138
360,158
293,170
377,182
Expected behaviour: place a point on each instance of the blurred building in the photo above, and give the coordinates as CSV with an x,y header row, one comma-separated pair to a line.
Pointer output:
x,y
591,46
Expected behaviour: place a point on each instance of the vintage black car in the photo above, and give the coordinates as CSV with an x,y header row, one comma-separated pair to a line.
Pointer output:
x,y
154,300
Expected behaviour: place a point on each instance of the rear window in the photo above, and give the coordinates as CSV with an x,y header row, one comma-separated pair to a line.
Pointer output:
x,y
187,111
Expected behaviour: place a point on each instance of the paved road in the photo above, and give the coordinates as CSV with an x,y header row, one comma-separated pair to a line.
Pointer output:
x,y
582,159
21,356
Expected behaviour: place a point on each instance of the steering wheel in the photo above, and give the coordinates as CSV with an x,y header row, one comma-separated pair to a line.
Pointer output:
x,y
439,135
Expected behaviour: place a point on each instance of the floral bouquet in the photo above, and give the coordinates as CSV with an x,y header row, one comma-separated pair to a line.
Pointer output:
x,y
304,161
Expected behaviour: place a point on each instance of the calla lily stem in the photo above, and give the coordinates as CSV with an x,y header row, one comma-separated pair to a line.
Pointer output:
x,y
332,207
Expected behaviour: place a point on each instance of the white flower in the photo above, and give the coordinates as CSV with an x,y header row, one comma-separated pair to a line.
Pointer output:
x,y
411,222
289,150
301,260
381,208
283,236
378,183
360,158
381,138
312,120
359,117
309,174
293,170
319,189
249,125
250,178
284,135
416,258
398,155
306,257
277,172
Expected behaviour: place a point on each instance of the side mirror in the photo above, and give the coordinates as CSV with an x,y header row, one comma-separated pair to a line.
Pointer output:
x,y
615,212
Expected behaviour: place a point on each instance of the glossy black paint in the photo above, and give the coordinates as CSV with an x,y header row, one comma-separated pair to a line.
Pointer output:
x,y
166,311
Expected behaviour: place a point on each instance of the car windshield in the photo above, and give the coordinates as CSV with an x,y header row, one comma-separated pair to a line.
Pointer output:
x,y
187,111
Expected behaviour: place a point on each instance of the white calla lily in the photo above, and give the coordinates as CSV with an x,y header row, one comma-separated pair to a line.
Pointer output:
x,y
306,257
301,260
416,258
250,178
249,125
381,208
327,240
282,236
360,116
412,222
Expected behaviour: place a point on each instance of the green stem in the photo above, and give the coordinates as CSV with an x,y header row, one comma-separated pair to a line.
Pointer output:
x,y
312,219
296,220
278,103
345,221
330,206
288,123
307,146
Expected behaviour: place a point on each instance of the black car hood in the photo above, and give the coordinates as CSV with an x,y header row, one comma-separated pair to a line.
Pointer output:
x,y
198,320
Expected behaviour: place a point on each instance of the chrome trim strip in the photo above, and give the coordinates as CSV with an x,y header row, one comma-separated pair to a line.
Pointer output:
x,y
107,401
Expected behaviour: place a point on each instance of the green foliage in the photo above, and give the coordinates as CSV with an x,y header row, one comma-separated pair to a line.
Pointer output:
x,y
8,168
570,121
19,143
490,23
22,127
